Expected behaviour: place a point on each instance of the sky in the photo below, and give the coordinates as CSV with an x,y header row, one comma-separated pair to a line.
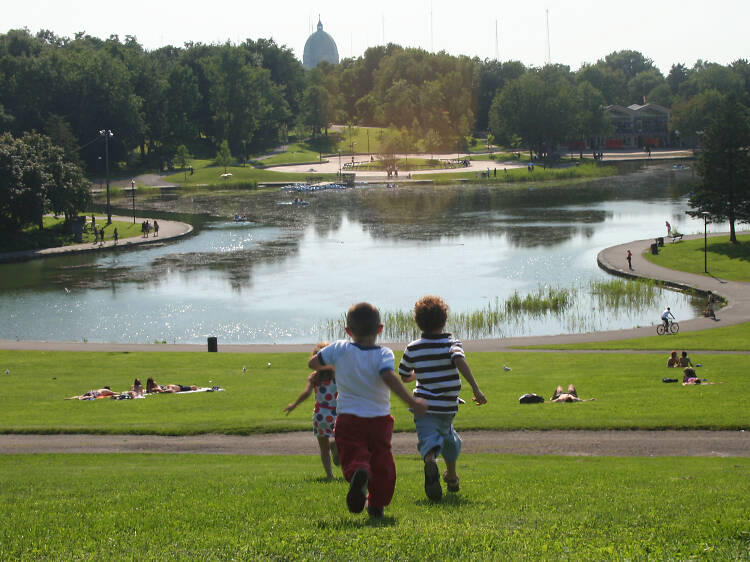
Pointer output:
x,y
666,31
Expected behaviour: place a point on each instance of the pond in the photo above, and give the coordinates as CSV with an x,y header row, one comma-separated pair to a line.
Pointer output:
x,y
288,274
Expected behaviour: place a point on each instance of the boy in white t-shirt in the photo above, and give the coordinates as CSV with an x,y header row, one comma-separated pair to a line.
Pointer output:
x,y
364,425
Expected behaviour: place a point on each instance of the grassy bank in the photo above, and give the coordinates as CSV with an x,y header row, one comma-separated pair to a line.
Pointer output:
x,y
724,259
205,173
523,175
38,381
56,234
729,338
206,507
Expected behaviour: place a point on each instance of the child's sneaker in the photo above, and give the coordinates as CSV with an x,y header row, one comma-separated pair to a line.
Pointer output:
x,y
335,453
450,483
357,495
432,481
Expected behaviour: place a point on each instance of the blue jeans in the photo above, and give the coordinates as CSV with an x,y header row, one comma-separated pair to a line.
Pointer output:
x,y
436,431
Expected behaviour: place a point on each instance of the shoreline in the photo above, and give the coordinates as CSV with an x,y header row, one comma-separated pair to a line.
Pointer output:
x,y
612,260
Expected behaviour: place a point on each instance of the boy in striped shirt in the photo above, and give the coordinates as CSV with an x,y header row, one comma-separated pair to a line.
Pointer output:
x,y
434,361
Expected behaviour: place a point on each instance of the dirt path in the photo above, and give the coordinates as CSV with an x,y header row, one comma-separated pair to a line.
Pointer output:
x,y
568,443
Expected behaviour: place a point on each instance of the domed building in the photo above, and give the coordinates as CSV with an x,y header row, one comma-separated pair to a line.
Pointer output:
x,y
319,47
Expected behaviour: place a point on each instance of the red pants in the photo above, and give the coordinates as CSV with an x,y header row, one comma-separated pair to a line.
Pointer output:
x,y
366,443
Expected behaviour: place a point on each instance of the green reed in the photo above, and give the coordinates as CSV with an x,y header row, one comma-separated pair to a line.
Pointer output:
x,y
614,294
495,317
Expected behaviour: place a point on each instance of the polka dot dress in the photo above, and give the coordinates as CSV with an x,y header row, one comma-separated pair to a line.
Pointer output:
x,y
324,415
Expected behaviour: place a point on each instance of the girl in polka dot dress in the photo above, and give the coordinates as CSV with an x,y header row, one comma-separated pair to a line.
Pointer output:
x,y
323,383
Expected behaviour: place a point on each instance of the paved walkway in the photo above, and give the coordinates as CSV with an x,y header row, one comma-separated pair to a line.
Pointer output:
x,y
168,230
553,442
334,164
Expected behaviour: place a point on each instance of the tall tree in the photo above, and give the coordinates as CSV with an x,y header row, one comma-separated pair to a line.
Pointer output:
x,y
724,167
539,107
35,178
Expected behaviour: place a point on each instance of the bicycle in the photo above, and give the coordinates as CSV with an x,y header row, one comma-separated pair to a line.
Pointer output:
x,y
673,328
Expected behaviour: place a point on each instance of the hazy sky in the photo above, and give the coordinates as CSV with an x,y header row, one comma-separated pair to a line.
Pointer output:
x,y
667,31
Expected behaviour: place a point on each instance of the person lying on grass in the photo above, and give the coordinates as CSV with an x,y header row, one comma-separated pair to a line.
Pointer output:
x,y
570,396
105,392
152,387
323,382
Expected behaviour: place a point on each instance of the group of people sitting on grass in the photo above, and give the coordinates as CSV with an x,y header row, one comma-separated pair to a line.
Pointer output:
x,y
136,391
688,369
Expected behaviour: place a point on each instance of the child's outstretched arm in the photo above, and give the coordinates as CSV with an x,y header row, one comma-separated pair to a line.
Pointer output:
x,y
465,370
418,405
302,397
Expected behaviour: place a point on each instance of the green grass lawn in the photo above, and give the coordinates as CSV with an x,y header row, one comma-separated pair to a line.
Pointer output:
x,y
726,338
725,260
55,234
628,389
207,174
522,175
222,507
295,153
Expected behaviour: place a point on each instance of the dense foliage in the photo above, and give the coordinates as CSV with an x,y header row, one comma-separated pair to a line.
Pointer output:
x,y
253,93
36,178
724,166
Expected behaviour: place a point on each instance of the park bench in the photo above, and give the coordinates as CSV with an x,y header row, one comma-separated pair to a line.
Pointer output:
x,y
675,236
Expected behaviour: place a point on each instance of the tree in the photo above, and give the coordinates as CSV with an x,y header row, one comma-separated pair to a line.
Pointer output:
x,y
224,156
539,107
35,178
724,167
183,158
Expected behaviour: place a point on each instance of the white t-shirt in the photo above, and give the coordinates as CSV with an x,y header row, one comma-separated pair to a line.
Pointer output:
x,y
361,389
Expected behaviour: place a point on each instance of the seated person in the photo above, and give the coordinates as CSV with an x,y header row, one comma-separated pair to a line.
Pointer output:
x,y
137,388
673,360
105,392
570,396
685,360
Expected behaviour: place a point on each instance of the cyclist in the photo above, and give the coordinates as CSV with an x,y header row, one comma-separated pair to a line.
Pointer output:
x,y
665,318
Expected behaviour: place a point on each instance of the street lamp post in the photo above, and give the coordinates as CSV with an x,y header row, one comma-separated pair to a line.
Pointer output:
x,y
132,192
107,134
705,241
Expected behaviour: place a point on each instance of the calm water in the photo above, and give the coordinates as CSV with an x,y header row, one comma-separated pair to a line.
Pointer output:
x,y
280,277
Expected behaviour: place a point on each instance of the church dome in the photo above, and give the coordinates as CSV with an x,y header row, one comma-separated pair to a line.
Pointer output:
x,y
319,47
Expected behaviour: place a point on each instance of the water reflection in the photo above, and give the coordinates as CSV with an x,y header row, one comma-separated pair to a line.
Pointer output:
x,y
281,276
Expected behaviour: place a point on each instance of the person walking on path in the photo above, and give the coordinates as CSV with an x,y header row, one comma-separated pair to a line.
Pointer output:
x,y
115,236
669,228
101,236
156,228
629,257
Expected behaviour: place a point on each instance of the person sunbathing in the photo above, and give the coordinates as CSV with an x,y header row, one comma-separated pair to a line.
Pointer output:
x,y
570,396
105,392
152,387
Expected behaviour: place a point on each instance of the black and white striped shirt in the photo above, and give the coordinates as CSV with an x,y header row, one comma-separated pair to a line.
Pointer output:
x,y
431,358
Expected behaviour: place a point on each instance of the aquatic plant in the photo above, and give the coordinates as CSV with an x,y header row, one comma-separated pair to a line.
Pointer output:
x,y
614,294
500,318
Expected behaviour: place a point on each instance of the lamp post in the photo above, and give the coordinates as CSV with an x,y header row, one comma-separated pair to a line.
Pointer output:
x,y
107,134
132,192
705,241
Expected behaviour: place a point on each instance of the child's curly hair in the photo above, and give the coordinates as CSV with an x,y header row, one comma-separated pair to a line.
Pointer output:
x,y
431,313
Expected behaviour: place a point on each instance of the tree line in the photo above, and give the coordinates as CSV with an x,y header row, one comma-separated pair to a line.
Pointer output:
x,y
244,98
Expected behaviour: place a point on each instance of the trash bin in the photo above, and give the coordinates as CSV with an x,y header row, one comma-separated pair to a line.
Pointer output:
x,y
654,250
213,344
661,240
